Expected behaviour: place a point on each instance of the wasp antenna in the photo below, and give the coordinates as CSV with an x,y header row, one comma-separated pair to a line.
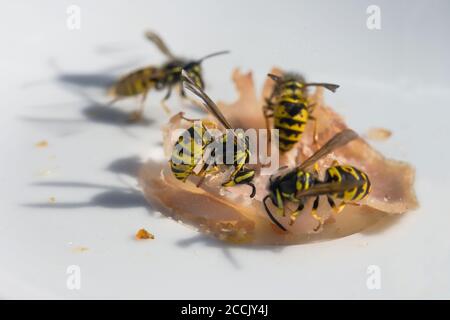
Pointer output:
x,y
279,225
330,86
274,77
213,55
252,195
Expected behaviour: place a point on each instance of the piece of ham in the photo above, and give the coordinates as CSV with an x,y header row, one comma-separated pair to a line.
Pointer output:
x,y
230,215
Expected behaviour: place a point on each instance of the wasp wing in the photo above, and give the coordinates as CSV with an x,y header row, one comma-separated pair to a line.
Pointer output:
x,y
339,140
160,44
189,84
329,188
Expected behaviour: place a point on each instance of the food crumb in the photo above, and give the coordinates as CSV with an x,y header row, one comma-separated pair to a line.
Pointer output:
x,y
42,144
52,199
379,134
80,249
144,234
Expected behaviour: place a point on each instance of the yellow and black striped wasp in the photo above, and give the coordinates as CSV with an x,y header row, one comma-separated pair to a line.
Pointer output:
x,y
167,76
343,182
290,108
192,145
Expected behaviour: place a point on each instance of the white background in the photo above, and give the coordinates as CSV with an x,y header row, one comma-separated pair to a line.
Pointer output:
x,y
52,88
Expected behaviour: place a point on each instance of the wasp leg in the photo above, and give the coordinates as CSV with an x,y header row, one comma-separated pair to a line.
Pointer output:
x,y
137,115
314,213
189,99
252,195
310,109
202,178
295,214
202,174
316,168
189,119
194,102
315,135
114,100
164,100
336,209
275,221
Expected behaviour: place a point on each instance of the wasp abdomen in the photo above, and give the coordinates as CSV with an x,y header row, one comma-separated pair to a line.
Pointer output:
x,y
349,173
188,151
290,118
136,82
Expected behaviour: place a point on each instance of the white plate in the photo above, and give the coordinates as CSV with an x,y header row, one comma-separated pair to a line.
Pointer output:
x,y
52,89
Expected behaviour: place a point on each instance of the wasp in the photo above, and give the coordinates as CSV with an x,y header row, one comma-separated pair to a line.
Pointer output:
x,y
191,146
166,76
290,108
343,182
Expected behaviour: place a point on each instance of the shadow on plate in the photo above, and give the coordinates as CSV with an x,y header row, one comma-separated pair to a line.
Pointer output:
x,y
226,249
87,80
101,79
97,113
111,197
78,84
126,197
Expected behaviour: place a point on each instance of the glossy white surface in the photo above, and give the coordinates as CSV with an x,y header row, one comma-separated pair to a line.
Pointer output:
x,y
53,89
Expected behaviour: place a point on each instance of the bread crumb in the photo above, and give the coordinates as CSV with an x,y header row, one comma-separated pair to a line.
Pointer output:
x,y
144,234
52,199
